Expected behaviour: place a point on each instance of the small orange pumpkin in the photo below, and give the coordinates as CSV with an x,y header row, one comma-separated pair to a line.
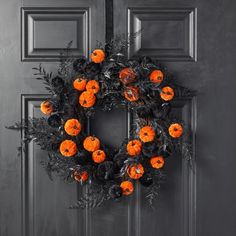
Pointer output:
x,y
147,134
135,171
127,75
80,84
91,144
68,148
127,187
87,99
167,93
72,127
93,86
157,162
131,93
98,56
99,156
134,147
175,130
156,76
80,176
46,107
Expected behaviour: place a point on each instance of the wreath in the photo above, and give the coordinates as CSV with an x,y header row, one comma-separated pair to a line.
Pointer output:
x,y
109,80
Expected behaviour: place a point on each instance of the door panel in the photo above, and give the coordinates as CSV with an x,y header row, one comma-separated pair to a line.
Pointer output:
x,y
164,33
46,31
207,67
45,202
35,31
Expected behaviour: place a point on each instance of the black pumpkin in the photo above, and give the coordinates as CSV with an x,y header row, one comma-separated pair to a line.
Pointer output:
x,y
146,180
150,148
83,158
115,191
105,171
165,151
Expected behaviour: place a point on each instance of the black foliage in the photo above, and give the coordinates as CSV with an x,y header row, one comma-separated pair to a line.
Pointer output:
x,y
115,191
119,160
57,84
92,69
161,111
144,112
79,65
54,121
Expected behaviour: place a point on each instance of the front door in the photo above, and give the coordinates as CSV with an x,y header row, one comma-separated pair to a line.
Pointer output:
x,y
195,40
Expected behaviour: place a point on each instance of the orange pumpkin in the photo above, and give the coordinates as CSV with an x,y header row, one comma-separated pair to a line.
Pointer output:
x,y
72,127
157,162
98,156
134,147
131,93
80,84
156,76
167,93
46,107
80,176
127,187
175,130
127,75
68,148
91,144
98,56
93,86
147,134
135,171
87,99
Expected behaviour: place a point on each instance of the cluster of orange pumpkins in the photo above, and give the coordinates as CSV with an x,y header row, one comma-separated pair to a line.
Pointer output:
x,y
127,75
68,148
134,148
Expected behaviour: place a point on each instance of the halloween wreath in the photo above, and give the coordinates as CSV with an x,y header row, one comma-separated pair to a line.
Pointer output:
x,y
109,80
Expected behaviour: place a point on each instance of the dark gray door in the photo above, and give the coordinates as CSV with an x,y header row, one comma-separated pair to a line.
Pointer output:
x,y
195,39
